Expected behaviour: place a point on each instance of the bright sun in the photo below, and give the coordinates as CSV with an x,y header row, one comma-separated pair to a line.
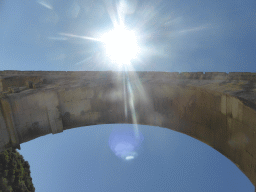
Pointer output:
x,y
121,45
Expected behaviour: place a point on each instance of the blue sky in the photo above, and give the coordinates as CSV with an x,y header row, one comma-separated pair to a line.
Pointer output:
x,y
182,36
80,159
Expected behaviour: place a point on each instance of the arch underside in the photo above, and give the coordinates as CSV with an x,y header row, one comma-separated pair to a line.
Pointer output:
x,y
222,121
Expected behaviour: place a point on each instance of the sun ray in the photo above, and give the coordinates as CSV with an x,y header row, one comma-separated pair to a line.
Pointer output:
x,y
192,29
45,4
125,97
83,61
131,100
80,37
58,38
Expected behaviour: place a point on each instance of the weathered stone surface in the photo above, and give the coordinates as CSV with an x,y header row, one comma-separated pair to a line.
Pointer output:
x,y
13,89
218,109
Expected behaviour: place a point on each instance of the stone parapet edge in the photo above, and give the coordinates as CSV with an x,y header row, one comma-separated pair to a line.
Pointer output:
x,y
181,75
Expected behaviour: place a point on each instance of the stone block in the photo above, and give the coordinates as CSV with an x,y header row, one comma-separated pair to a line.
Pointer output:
x,y
41,99
194,113
53,126
68,95
1,85
240,111
229,106
3,94
53,113
32,101
76,107
249,117
203,100
155,119
17,107
180,108
224,104
214,102
36,85
237,138
59,125
29,84
24,103
13,89
24,118
39,115
50,99
22,88
250,135
204,134
9,120
94,116
85,93
98,105
43,80
197,75
163,105
247,163
234,108
171,75
239,75
4,135
219,125
185,75
165,91
215,75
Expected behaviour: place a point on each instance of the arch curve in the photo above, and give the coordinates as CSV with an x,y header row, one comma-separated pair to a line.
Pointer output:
x,y
217,109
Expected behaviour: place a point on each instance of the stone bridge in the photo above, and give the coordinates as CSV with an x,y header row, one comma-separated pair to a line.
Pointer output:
x,y
215,108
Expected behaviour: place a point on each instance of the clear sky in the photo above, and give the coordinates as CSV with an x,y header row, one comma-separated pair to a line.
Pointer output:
x,y
173,36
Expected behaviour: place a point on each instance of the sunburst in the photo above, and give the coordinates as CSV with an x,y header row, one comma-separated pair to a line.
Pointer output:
x,y
121,45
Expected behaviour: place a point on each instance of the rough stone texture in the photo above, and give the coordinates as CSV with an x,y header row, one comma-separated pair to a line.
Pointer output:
x,y
218,109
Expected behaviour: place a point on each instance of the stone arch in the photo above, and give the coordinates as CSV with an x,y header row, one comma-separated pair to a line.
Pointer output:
x,y
197,107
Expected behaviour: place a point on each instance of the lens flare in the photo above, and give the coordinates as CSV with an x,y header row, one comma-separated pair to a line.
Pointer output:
x,y
124,143
129,157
